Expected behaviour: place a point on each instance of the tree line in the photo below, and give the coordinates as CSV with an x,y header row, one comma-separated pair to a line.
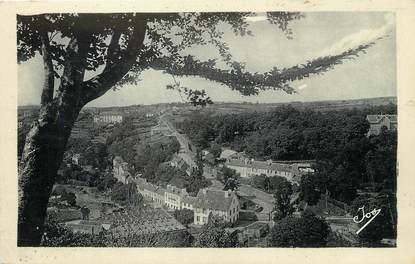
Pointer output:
x,y
336,139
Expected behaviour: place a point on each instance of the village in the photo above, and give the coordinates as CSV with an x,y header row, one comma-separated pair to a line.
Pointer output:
x,y
247,211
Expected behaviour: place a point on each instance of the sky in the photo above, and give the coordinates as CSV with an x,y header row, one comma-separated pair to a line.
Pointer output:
x,y
371,75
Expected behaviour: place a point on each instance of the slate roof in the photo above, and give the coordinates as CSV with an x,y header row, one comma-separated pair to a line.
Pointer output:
x,y
213,199
189,199
143,184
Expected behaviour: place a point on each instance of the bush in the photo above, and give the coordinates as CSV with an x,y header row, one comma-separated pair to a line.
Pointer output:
x,y
184,216
307,231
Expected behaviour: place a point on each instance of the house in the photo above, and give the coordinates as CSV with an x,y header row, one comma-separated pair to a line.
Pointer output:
x,y
379,122
183,162
120,169
224,204
108,117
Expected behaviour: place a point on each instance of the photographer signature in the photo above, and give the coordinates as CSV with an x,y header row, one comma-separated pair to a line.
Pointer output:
x,y
370,215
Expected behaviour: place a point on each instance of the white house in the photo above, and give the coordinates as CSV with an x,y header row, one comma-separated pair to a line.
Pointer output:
x,y
377,122
224,204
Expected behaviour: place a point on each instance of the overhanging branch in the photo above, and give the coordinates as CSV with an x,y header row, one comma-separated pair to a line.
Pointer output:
x,y
252,83
114,72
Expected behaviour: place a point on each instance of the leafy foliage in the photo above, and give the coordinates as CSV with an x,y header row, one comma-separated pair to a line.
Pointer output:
x,y
311,188
307,231
282,195
107,182
215,149
229,178
346,158
184,216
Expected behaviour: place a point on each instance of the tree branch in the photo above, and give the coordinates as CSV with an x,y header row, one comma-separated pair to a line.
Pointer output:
x,y
101,83
251,83
49,81
113,49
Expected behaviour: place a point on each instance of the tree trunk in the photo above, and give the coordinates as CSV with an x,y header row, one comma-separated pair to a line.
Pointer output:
x,y
46,141
43,153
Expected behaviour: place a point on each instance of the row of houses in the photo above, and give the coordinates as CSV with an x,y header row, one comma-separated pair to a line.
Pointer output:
x,y
220,203
246,167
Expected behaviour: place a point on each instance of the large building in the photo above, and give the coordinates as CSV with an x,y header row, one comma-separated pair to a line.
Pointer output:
x,y
224,204
108,117
246,167
220,203
379,122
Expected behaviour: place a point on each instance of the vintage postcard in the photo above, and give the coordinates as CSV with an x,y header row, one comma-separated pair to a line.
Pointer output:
x,y
203,133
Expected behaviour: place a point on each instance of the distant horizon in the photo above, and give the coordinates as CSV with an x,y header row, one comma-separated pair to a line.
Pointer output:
x,y
234,102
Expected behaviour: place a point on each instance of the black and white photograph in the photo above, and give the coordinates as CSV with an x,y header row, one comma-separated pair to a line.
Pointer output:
x,y
273,129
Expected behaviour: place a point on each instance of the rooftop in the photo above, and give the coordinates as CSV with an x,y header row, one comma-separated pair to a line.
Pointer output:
x,y
378,118
265,165
143,221
110,113
213,199
227,153
143,184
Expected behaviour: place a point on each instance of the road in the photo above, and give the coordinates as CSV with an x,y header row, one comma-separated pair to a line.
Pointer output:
x,y
187,150
262,199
